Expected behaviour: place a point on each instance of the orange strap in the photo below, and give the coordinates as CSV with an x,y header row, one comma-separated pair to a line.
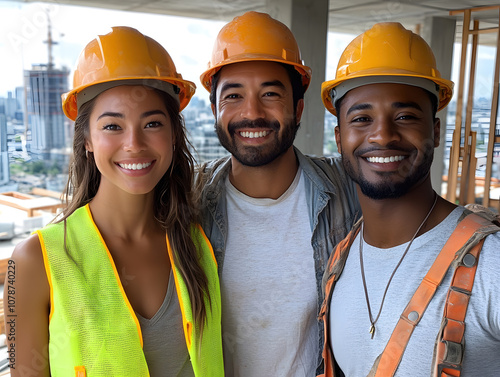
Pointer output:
x,y
455,307
449,350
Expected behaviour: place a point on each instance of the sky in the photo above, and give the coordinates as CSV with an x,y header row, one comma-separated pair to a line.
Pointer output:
x,y
23,30
189,41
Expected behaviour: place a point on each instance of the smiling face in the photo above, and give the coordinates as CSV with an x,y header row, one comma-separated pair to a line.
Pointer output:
x,y
131,138
255,117
387,134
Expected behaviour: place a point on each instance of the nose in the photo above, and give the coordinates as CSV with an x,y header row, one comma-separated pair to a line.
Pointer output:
x,y
252,108
135,140
383,132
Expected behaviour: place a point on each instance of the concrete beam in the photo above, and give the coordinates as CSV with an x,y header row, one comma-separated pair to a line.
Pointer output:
x,y
439,33
308,20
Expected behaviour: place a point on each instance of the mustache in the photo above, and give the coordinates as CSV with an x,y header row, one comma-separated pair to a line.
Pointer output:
x,y
232,127
391,147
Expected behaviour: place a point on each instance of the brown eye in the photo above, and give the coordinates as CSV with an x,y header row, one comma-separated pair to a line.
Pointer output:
x,y
111,127
154,124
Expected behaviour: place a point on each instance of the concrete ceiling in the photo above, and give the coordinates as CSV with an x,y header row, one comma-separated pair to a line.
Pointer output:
x,y
345,16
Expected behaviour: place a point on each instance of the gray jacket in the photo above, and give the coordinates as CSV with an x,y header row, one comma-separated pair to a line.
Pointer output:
x,y
331,199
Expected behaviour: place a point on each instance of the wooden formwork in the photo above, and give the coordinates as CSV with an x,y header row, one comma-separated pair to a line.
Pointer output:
x,y
462,157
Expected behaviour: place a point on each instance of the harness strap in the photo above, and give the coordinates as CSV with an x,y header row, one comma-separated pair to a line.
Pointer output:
x,y
448,354
387,363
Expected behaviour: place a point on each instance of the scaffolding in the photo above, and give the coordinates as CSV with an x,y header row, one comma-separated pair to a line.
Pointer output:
x,y
463,161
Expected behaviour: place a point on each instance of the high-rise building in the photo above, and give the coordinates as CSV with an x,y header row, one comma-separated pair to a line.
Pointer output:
x,y
43,88
20,104
4,155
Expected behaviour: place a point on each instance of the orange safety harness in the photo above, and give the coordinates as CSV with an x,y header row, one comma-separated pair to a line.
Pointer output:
x,y
460,252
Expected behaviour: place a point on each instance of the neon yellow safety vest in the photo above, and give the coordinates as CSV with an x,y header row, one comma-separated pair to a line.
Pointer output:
x,y
93,330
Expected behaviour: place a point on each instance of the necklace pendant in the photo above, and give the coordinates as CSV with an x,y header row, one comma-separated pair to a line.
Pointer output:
x,y
372,330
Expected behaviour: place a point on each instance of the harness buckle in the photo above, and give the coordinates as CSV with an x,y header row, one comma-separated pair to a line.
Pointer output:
x,y
452,359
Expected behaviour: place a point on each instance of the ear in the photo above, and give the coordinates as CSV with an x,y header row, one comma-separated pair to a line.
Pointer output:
x,y
337,138
88,146
213,110
299,110
437,132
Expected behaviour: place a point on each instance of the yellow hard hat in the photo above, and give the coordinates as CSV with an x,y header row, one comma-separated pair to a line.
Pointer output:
x,y
255,36
127,55
387,53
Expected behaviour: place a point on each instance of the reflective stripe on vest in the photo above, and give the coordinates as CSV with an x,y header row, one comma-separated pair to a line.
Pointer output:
x,y
206,358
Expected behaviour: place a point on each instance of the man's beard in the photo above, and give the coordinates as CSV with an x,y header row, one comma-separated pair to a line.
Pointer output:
x,y
253,155
388,189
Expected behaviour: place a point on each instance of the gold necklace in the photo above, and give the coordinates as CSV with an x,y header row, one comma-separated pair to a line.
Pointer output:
x,y
373,321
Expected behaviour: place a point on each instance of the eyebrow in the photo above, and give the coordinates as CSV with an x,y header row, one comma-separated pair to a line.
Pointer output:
x,y
361,106
152,112
121,116
396,105
231,85
274,83
110,114
402,105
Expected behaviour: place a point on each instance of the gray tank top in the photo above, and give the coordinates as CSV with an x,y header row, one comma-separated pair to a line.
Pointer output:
x,y
164,342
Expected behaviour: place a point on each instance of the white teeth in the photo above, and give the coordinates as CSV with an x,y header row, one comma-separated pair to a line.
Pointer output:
x,y
135,166
253,135
384,160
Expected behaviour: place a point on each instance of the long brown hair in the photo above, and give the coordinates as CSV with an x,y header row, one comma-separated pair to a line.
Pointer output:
x,y
174,206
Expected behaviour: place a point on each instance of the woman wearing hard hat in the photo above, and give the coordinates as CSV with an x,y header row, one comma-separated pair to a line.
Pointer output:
x,y
124,283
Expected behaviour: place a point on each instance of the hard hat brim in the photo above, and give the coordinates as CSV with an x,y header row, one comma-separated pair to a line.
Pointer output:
x,y
445,86
206,77
69,99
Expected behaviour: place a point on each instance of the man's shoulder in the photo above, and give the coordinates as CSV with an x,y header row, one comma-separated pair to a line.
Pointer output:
x,y
212,165
328,170
324,163
486,224
208,171
484,212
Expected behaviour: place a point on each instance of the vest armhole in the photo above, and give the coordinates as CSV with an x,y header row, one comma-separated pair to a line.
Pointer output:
x,y
186,325
46,266
207,242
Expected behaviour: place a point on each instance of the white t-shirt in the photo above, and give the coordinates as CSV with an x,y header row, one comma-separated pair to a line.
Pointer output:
x,y
352,345
268,286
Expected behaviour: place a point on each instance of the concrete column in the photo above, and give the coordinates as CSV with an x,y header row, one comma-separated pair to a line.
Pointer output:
x,y
439,33
308,21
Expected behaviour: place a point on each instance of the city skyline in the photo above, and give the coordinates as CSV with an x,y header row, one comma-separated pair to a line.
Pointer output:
x,y
23,30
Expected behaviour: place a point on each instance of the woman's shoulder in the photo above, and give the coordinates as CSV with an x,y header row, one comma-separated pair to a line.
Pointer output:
x,y
28,250
28,265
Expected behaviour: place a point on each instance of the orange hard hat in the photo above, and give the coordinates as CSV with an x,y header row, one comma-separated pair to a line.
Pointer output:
x,y
124,56
255,36
387,53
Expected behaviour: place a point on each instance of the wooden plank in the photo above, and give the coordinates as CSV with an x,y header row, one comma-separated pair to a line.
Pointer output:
x,y
493,121
475,9
44,192
457,134
466,156
30,204
485,31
